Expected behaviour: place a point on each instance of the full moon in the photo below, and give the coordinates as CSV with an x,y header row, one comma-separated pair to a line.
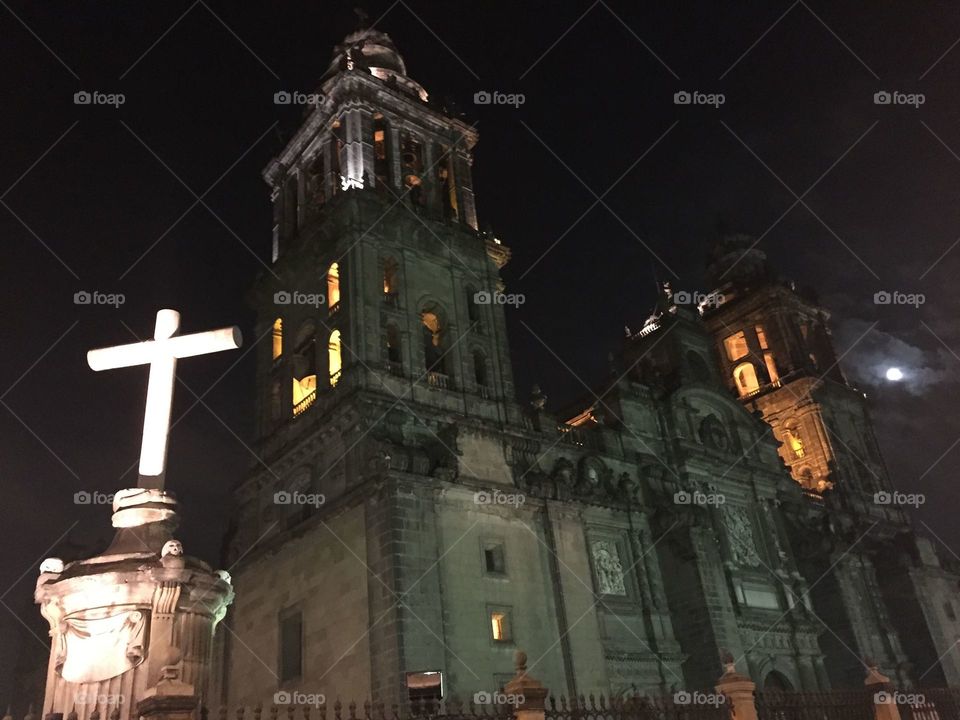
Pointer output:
x,y
894,374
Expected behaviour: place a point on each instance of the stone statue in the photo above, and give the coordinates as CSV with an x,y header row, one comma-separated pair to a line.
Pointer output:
x,y
609,569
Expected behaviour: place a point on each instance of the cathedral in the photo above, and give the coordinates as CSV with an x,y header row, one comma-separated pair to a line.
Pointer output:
x,y
412,523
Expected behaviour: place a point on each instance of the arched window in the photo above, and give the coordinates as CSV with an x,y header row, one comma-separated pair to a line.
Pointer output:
x,y
277,338
333,286
432,341
480,371
393,346
745,376
335,358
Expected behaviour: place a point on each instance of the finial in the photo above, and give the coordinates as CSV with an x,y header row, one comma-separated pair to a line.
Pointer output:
x,y
520,660
363,18
537,398
728,661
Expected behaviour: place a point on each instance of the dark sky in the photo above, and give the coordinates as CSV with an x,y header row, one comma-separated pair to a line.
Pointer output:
x,y
105,199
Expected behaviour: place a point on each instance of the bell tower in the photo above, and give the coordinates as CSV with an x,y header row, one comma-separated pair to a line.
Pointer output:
x,y
386,374
379,278
777,355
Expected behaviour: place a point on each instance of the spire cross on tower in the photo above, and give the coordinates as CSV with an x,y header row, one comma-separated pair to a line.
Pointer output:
x,y
161,354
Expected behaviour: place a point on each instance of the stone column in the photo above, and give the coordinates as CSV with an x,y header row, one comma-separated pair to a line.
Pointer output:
x,y
882,695
738,690
531,695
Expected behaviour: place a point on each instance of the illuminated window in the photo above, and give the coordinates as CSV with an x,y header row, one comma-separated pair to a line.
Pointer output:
x,y
432,341
304,393
762,337
500,626
745,377
736,346
390,276
795,443
771,366
335,359
333,285
277,338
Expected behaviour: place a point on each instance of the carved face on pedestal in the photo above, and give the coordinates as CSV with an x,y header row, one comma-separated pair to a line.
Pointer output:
x,y
172,548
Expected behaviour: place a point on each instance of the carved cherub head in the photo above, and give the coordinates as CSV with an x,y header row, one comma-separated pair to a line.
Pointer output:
x,y
172,548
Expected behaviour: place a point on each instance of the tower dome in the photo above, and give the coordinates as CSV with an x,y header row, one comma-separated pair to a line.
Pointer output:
x,y
373,51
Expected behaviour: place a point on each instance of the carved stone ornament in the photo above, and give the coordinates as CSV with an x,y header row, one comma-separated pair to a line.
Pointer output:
x,y
713,434
116,642
609,569
743,547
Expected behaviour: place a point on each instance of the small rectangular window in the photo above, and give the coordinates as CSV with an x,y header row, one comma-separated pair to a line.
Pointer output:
x,y
736,346
291,646
948,609
493,559
500,626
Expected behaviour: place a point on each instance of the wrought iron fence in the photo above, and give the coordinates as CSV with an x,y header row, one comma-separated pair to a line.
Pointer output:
x,y
681,706
929,704
416,710
833,705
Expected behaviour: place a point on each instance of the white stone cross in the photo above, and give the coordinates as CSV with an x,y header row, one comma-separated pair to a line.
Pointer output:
x,y
161,354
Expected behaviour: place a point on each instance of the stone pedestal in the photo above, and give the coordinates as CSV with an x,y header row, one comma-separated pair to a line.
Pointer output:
x,y
739,690
134,624
883,695
530,694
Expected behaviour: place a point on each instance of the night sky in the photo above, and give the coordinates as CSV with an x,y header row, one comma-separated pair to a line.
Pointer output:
x,y
161,199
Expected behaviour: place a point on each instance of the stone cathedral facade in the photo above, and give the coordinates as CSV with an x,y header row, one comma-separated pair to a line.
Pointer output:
x,y
412,523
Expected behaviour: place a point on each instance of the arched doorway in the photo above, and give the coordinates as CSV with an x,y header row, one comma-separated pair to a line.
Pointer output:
x,y
776,682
